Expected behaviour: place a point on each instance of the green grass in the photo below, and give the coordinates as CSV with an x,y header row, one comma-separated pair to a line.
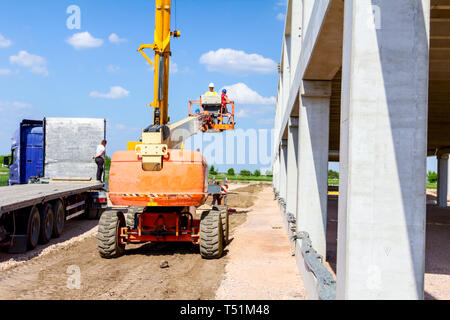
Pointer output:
x,y
222,176
333,182
432,185
4,176
3,180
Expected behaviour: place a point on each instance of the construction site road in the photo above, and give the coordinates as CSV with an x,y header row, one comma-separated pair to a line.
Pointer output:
x,y
71,268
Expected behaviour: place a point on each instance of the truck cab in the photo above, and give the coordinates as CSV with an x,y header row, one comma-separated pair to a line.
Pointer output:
x,y
27,152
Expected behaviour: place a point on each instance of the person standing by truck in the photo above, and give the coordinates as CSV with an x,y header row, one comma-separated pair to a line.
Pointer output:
x,y
100,159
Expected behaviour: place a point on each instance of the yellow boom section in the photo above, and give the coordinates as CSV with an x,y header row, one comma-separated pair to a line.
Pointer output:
x,y
161,47
153,144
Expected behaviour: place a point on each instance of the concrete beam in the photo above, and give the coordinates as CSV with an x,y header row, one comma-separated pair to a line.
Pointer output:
x,y
308,277
296,34
313,162
326,59
314,21
382,200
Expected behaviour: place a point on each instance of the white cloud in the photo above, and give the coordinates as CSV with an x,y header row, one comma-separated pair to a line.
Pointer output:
x,y
281,16
112,68
242,114
282,3
249,103
4,43
242,94
36,64
114,38
120,126
15,105
4,72
173,68
84,40
233,61
114,93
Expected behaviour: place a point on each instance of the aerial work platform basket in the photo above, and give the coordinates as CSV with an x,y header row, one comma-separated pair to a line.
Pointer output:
x,y
219,117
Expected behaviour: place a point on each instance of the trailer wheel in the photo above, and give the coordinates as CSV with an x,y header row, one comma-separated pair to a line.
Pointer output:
x,y
59,214
47,220
109,226
211,235
33,228
92,214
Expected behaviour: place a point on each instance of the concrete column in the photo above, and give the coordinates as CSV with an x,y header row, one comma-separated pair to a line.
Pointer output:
x,y
277,167
382,202
286,71
313,161
280,102
292,150
283,169
275,174
443,180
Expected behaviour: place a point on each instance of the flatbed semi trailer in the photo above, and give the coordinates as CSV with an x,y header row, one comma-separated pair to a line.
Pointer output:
x,y
52,179
34,213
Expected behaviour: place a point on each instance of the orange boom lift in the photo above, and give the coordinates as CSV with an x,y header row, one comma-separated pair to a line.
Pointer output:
x,y
156,183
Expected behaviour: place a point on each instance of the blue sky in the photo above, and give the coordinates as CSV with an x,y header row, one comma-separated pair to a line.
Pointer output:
x,y
48,70
42,73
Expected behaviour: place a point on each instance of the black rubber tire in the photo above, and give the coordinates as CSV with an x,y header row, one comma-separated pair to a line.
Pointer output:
x,y
59,214
92,214
211,235
225,218
130,219
99,213
131,216
47,220
33,228
108,234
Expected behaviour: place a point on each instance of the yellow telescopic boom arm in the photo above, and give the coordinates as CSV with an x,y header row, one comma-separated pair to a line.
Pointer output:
x,y
161,47
154,142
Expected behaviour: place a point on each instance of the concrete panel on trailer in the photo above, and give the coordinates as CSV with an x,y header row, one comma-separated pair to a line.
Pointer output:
x,y
70,145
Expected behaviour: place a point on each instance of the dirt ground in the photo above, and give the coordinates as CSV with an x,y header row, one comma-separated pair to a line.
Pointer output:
x,y
245,196
47,272
260,261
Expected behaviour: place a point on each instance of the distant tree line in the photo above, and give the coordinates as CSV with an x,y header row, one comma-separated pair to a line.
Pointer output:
x,y
333,175
245,173
432,177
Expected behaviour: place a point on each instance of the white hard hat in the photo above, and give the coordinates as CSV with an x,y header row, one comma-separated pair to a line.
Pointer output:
x,y
211,85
